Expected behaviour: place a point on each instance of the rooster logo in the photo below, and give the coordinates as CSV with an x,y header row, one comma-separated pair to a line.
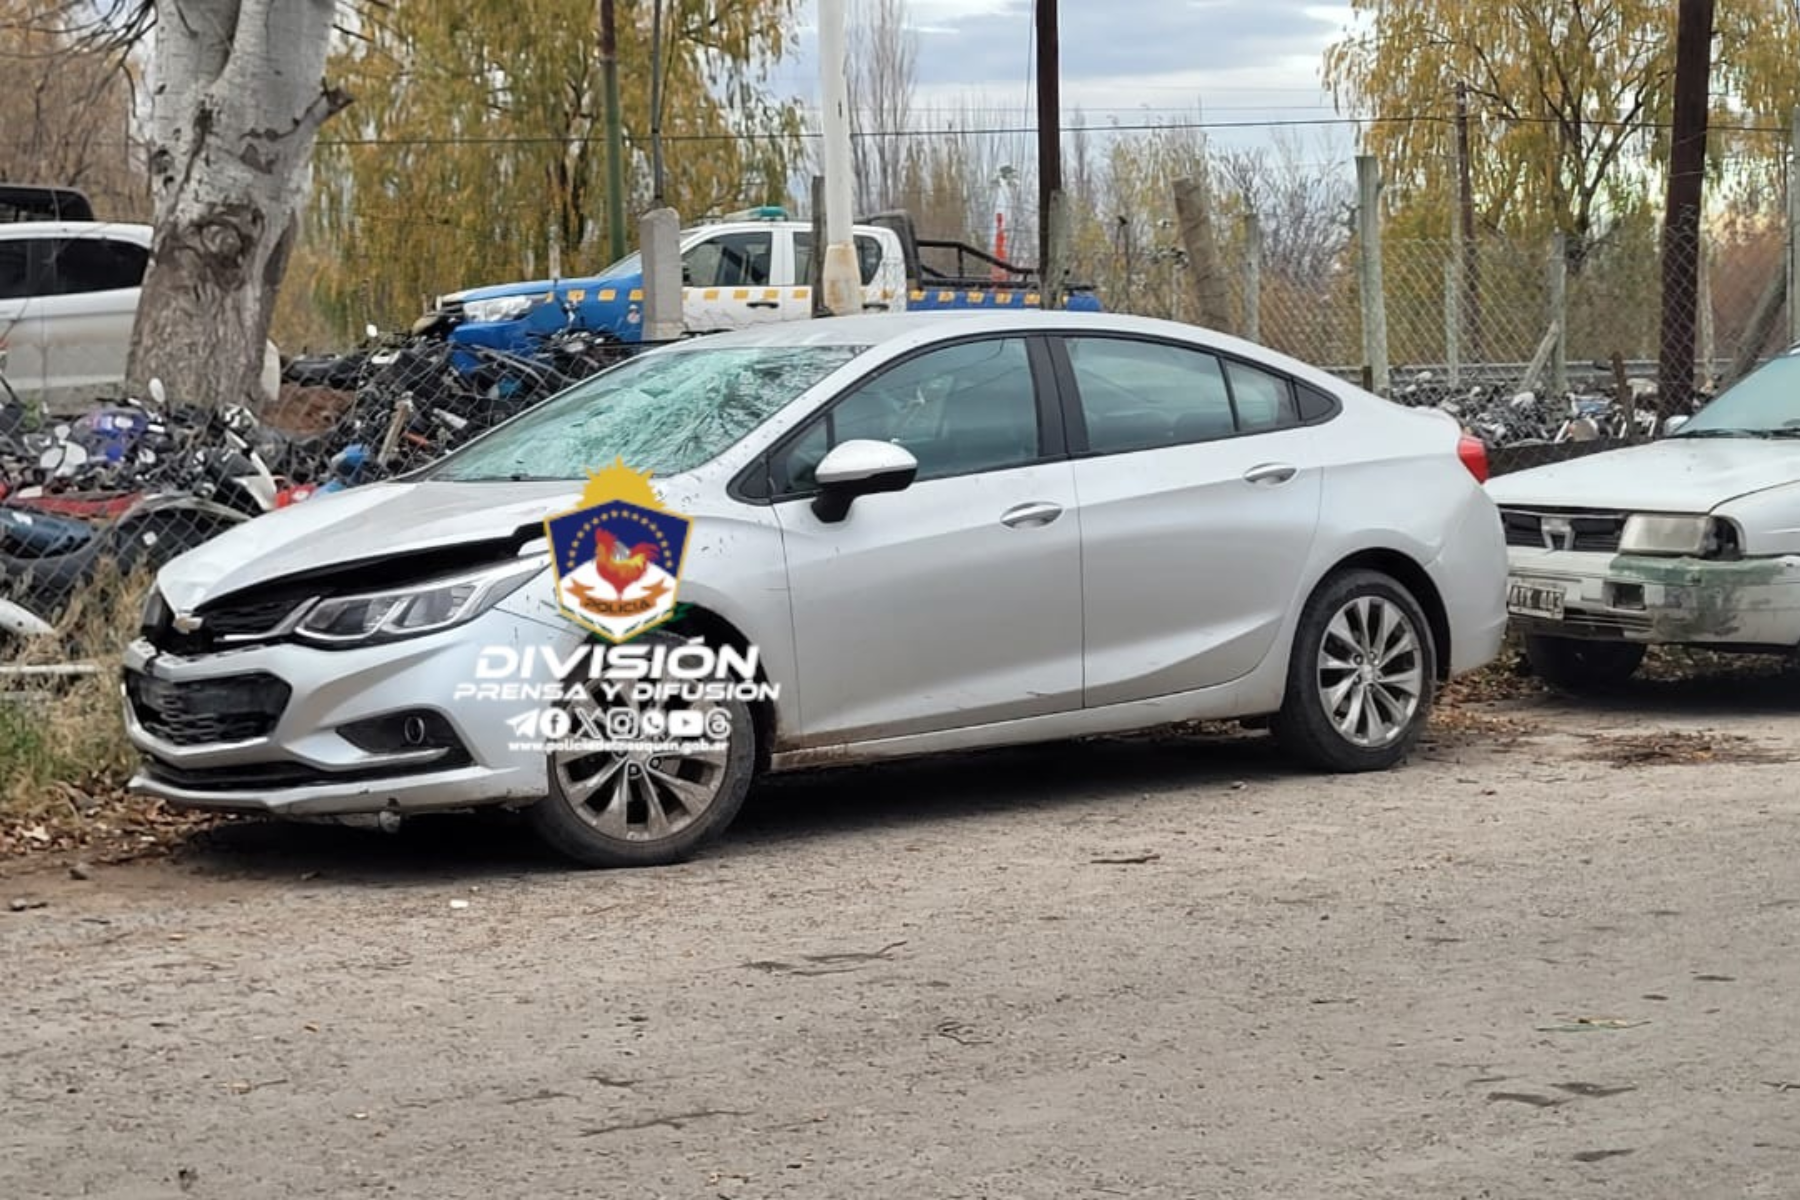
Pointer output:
x,y
618,556
618,566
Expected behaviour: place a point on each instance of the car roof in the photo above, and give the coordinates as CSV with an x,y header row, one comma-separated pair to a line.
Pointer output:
x,y
908,330
123,231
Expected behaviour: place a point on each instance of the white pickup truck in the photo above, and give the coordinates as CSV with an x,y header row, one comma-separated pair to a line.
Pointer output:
x,y
68,299
751,268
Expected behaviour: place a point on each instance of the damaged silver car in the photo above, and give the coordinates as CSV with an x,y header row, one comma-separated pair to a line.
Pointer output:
x,y
905,534
1693,540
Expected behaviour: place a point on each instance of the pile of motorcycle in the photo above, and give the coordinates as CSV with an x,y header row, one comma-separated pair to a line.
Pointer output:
x,y
138,481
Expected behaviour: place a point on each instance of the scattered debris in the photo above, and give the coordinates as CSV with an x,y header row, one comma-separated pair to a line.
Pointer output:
x,y
825,964
1588,1156
1593,1091
676,1121
22,904
960,1033
1675,746
80,871
459,904
1127,860
1531,1098
1590,1024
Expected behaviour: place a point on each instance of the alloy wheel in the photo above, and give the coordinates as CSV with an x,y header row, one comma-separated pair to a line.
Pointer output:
x,y
1370,671
643,794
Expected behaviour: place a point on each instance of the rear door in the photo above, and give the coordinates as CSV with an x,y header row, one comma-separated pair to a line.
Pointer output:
x,y
21,326
880,270
730,280
1199,490
88,311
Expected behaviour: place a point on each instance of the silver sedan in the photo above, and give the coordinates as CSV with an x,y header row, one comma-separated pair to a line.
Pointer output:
x,y
829,542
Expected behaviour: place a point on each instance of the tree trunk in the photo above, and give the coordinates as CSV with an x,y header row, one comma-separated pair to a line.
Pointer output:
x,y
237,101
1681,219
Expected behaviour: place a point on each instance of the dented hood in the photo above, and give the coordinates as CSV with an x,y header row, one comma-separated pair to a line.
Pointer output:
x,y
365,524
1685,475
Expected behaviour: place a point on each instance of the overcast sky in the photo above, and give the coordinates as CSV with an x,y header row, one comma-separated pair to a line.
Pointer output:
x,y
1127,61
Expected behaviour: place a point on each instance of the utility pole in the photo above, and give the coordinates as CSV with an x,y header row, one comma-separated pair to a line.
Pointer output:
x,y
1471,266
1681,215
842,279
656,82
1049,135
615,141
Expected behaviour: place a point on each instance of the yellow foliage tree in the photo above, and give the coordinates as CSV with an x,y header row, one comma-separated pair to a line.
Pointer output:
x,y
1568,102
477,142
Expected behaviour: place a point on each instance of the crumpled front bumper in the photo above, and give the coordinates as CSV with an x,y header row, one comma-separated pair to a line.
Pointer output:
x,y
303,765
1752,602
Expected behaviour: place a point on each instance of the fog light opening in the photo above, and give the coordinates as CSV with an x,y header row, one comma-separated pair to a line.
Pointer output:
x,y
413,730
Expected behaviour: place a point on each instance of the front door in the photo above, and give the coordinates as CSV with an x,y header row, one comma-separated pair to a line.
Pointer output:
x,y
956,602
1199,492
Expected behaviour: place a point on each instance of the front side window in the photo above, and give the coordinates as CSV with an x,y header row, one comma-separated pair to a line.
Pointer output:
x,y
96,265
667,412
1138,395
958,410
729,260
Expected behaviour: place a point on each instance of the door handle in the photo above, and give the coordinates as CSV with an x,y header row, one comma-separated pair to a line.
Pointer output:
x,y
1030,516
762,304
1270,474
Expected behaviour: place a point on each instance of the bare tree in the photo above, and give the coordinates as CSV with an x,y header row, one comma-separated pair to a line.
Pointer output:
x,y
883,72
67,114
1302,207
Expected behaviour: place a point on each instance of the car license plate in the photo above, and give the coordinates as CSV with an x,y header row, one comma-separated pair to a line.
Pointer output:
x,y
1534,598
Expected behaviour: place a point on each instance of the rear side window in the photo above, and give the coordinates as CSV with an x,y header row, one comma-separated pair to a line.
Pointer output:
x,y
1264,401
1138,395
95,265
1314,404
868,257
15,269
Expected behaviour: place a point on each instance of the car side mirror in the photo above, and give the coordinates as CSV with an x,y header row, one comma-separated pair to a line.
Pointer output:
x,y
860,468
1673,424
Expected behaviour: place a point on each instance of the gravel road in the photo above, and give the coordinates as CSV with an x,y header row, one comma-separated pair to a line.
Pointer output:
x,y
1164,967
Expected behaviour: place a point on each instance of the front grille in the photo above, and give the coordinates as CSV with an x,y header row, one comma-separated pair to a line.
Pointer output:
x,y
1591,532
237,620
251,776
207,712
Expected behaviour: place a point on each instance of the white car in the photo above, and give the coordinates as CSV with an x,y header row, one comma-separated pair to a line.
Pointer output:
x,y
1693,540
68,300
934,532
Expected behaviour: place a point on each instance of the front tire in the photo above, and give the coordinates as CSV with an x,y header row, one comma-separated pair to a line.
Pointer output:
x,y
1582,667
643,808
1361,677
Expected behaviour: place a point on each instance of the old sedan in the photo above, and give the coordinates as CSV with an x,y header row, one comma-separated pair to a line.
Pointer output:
x,y
1690,541
890,535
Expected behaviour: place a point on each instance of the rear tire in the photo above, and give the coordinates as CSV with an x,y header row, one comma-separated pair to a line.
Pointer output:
x,y
1579,666
1361,676
607,809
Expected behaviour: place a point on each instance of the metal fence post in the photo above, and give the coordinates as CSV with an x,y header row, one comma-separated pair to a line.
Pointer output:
x,y
1793,231
1453,316
1253,249
1559,313
1374,305
1709,342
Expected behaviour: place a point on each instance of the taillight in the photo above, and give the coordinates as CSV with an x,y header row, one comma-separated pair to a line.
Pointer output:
x,y
1473,454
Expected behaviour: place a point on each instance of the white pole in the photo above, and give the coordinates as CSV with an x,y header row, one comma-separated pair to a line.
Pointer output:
x,y
842,280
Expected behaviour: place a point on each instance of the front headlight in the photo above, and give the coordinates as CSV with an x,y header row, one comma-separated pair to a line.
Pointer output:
x,y
1659,533
413,611
503,309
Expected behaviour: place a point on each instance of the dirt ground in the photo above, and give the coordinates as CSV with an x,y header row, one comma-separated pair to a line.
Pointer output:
x,y
1555,956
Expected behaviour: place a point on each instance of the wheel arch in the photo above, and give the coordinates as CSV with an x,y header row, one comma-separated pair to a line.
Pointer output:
x,y
1406,571
709,626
